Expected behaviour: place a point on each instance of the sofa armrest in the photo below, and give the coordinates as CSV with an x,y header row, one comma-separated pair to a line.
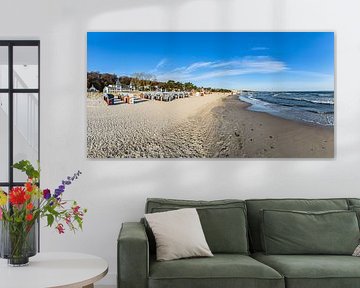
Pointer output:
x,y
133,256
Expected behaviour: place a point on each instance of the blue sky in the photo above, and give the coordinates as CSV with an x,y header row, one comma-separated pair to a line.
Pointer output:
x,y
234,60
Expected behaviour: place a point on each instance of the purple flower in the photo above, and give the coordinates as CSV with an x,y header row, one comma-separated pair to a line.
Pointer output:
x,y
68,181
46,194
58,192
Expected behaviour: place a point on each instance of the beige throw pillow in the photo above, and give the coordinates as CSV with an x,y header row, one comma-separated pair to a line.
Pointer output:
x,y
357,251
178,234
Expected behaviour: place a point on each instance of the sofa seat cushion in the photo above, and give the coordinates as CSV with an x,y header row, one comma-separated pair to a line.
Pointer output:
x,y
315,271
222,270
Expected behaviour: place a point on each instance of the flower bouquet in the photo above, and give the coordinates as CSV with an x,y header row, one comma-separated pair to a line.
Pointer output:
x,y
21,209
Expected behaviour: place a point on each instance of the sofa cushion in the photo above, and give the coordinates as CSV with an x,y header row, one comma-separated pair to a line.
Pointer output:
x,y
254,206
297,232
224,221
315,271
356,209
178,234
353,201
222,270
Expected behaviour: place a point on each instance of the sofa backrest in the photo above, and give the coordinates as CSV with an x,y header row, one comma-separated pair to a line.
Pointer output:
x,y
256,205
224,222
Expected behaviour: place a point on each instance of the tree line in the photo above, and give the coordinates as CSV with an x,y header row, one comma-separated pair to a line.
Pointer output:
x,y
143,82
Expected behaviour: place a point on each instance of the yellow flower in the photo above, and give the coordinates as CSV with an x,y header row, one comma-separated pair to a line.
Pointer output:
x,y
3,198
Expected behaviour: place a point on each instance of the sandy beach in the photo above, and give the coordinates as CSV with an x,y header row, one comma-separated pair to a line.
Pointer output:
x,y
213,126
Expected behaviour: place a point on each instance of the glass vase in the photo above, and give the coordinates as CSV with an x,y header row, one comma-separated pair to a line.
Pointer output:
x,y
18,242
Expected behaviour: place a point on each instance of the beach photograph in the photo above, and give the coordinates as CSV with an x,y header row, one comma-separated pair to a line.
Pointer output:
x,y
210,95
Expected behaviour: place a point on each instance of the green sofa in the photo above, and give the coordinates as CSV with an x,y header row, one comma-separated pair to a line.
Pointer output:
x,y
244,252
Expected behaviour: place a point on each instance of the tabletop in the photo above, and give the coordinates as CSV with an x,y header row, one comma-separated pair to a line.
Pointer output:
x,y
57,269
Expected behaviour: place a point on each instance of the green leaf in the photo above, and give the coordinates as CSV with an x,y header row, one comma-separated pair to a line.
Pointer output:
x,y
50,219
53,211
28,168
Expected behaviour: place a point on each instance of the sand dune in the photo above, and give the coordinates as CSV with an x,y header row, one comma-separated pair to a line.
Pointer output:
x,y
215,125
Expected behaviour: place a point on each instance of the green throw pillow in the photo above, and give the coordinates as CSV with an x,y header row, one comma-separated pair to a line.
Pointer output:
x,y
300,232
356,209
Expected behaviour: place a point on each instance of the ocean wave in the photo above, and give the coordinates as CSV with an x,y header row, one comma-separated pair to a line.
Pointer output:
x,y
315,101
328,100
313,112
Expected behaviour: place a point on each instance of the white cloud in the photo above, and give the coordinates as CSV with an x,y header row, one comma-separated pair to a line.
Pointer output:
x,y
160,64
259,48
197,65
208,70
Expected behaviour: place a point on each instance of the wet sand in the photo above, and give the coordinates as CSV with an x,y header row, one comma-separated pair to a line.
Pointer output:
x,y
212,126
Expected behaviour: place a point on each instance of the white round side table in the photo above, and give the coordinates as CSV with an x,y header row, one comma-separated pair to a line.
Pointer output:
x,y
50,270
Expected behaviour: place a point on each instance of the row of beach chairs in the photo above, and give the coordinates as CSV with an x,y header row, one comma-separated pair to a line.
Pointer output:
x,y
111,99
165,96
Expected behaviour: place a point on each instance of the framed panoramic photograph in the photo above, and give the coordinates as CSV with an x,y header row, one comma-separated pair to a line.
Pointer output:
x,y
210,95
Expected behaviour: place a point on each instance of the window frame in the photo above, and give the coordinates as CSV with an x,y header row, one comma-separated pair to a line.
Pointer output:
x,y
10,91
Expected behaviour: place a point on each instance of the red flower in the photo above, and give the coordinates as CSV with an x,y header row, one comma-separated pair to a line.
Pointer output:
x,y
17,196
68,219
75,209
29,206
29,186
60,228
29,217
27,196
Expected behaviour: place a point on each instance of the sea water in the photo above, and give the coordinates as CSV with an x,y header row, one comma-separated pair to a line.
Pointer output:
x,y
315,107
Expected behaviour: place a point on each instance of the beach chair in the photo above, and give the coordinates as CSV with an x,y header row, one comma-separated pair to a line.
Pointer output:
x,y
109,98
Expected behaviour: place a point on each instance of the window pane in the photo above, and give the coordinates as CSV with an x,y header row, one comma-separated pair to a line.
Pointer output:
x,y
25,130
5,189
4,67
26,70
4,138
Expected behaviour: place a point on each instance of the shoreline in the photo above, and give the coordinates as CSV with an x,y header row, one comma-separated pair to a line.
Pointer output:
x,y
268,136
217,125
312,124
306,109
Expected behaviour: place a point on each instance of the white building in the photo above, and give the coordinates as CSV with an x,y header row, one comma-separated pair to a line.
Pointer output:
x,y
118,88
93,89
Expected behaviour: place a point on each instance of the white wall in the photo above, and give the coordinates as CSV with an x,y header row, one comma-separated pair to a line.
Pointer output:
x,y
115,191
